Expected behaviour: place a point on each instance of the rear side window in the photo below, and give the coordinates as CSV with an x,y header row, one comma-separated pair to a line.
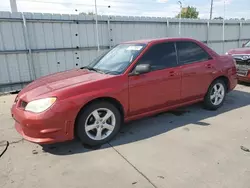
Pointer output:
x,y
160,56
190,52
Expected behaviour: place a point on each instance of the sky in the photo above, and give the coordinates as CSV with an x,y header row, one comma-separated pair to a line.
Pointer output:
x,y
153,8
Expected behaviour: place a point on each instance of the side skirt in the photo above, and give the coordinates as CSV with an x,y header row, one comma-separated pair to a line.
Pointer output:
x,y
150,113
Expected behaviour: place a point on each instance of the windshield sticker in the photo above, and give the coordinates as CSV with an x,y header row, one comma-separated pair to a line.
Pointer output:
x,y
137,48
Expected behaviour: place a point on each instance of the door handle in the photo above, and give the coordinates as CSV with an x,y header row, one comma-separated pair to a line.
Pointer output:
x,y
209,66
173,73
190,74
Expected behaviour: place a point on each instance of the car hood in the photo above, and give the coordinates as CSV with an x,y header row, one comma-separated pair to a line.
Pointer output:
x,y
58,81
239,51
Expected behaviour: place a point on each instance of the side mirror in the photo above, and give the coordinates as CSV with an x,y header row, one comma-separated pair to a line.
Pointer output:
x,y
141,69
243,45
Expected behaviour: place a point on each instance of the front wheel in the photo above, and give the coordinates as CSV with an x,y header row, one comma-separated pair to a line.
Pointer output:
x,y
215,96
98,123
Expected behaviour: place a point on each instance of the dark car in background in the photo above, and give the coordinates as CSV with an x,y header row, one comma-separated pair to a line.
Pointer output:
x,y
242,58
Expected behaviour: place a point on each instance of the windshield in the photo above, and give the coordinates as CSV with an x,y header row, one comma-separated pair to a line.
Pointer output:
x,y
247,44
117,60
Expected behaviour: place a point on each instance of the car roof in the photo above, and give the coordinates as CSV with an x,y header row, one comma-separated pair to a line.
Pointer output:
x,y
146,41
174,39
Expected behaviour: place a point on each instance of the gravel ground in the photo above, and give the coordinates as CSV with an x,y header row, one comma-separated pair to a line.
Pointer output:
x,y
189,147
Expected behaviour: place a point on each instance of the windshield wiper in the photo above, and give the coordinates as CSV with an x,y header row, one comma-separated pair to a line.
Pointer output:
x,y
112,72
92,69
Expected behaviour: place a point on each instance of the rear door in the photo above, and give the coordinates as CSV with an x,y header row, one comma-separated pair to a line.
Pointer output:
x,y
197,69
161,86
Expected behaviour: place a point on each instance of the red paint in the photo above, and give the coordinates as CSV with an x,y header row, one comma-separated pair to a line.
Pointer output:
x,y
140,96
244,78
239,51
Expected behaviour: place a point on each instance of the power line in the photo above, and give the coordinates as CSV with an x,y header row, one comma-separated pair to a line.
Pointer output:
x,y
114,8
108,1
60,3
89,5
136,2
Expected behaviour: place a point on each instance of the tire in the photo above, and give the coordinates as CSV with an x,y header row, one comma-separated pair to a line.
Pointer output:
x,y
210,98
92,126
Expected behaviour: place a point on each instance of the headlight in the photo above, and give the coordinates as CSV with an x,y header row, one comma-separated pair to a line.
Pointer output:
x,y
40,105
226,53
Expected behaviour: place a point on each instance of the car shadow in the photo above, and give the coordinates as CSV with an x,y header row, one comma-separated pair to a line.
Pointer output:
x,y
244,83
156,125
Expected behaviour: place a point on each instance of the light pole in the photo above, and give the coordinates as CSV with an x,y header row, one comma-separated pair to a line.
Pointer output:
x,y
180,3
96,27
211,9
13,6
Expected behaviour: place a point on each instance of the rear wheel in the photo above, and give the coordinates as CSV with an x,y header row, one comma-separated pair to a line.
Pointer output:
x,y
98,123
215,96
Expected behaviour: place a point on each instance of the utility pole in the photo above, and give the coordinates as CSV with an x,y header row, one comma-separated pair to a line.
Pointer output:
x,y
13,6
211,9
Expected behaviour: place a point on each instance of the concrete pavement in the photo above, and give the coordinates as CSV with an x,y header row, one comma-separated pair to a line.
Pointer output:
x,y
189,147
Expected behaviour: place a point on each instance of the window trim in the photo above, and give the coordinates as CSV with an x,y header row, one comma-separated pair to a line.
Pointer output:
x,y
164,42
181,64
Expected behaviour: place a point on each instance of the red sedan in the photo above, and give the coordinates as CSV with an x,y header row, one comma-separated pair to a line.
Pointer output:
x,y
132,80
242,58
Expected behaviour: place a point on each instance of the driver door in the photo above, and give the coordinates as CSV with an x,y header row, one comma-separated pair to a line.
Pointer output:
x,y
161,86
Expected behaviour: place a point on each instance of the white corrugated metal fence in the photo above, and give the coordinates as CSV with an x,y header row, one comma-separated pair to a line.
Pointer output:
x,y
34,45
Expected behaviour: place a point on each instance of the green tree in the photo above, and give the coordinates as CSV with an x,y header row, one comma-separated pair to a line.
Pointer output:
x,y
89,13
189,12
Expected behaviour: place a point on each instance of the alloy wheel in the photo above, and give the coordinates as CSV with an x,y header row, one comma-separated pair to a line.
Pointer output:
x,y
100,124
217,94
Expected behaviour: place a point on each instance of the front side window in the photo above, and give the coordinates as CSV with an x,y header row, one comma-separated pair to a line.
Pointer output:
x,y
160,56
118,59
189,52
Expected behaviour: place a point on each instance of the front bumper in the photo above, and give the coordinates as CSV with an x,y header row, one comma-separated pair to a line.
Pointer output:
x,y
243,70
43,128
243,73
244,78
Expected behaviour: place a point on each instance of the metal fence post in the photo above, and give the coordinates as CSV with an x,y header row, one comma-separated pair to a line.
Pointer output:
x,y
208,25
28,46
223,35
109,33
167,28
240,29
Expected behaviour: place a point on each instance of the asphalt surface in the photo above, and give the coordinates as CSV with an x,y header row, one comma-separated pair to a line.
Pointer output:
x,y
189,147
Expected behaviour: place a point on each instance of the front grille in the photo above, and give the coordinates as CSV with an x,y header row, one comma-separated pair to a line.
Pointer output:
x,y
242,64
242,72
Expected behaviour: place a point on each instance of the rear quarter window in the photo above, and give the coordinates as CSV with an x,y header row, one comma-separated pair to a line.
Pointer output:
x,y
190,52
